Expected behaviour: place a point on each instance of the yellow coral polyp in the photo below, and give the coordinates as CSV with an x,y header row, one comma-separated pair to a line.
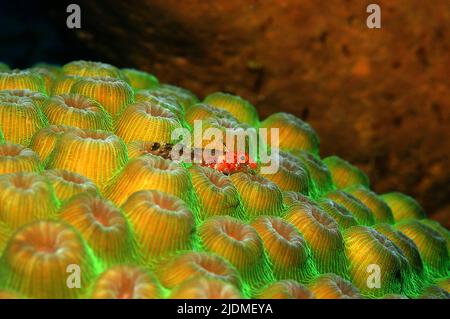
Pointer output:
x,y
206,288
380,210
38,98
331,286
216,193
76,110
20,118
432,246
150,172
113,94
338,212
38,257
21,80
294,134
186,266
183,96
166,102
238,243
403,207
91,69
292,175
140,80
25,197
103,226
322,235
98,155
288,252
144,121
63,84
345,174
241,109
126,282
68,184
270,198
203,111
17,158
361,212
370,251
44,140
163,223
285,289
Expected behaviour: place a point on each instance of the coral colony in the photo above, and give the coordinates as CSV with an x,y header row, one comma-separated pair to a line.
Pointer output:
x,y
113,185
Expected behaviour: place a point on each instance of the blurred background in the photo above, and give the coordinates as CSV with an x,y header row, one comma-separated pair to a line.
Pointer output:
x,y
379,98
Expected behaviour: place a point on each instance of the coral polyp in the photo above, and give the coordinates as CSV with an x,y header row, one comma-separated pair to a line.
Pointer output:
x,y
206,288
96,154
163,223
116,186
17,158
91,69
21,80
238,243
294,134
216,192
113,94
292,175
241,109
403,207
20,118
176,270
126,282
345,174
44,140
25,197
145,121
76,110
140,80
67,184
371,252
285,289
38,98
331,286
322,235
150,172
103,226
288,252
38,258
270,197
